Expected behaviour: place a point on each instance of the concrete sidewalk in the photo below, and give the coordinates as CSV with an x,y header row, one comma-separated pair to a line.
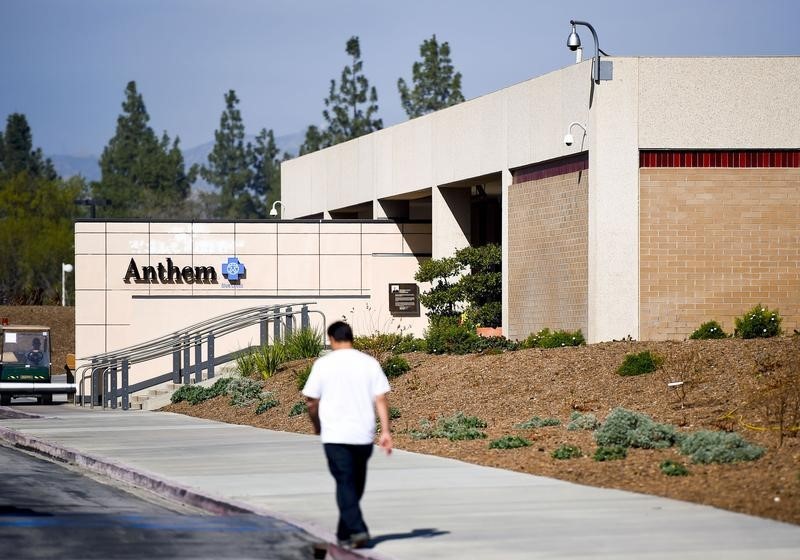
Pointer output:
x,y
417,506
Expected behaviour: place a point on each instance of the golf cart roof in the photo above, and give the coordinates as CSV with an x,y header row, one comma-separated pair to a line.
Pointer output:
x,y
24,328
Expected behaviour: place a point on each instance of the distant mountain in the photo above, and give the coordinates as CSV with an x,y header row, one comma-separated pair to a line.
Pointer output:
x,y
86,166
89,167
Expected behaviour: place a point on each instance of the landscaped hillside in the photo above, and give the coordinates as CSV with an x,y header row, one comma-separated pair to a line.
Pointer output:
x,y
731,384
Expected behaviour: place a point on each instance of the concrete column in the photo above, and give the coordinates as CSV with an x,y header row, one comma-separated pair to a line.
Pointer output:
x,y
505,183
451,220
614,206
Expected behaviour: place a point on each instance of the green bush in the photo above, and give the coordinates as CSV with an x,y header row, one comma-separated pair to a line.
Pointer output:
x,y
394,413
537,422
567,452
303,343
672,468
579,422
455,428
719,447
302,376
268,401
246,363
633,429
395,366
487,315
759,322
298,408
610,453
269,359
509,442
708,331
446,336
243,391
494,344
193,394
379,344
638,364
546,338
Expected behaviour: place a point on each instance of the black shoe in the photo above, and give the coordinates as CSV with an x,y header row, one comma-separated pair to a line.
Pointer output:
x,y
359,540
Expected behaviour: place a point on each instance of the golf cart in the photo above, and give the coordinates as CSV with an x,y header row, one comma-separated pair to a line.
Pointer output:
x,y
25,365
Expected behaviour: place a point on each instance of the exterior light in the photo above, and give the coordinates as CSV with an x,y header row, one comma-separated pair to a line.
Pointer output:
x,y
65,267
273,211
574,43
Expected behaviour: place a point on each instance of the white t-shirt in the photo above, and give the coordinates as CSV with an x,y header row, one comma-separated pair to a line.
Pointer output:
x,y
346,383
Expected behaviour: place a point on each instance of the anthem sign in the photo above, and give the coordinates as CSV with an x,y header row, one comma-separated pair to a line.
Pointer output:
x,y
170,274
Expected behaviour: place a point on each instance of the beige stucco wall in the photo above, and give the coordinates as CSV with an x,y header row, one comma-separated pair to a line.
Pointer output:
x,y
345,267
715,243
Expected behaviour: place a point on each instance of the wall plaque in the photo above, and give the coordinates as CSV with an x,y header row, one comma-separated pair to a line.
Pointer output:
x,y
404,300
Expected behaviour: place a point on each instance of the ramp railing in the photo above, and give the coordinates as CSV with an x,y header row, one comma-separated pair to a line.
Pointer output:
x,y
109,372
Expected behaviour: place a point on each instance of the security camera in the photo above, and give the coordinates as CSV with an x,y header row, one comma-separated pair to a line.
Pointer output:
x,y
568,139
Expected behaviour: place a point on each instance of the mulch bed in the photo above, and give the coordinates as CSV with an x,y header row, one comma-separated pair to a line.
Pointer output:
x,y
721,379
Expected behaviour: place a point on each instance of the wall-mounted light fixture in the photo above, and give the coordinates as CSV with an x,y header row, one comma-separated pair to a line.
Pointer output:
x,y
273,211
568,139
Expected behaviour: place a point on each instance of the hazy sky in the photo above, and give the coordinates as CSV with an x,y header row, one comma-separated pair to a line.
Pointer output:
x,y
65,63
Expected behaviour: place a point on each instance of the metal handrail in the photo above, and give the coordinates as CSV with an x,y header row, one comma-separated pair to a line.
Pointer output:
x,y
183,339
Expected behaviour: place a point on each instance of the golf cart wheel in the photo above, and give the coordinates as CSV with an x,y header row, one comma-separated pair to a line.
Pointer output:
x,y
47,399
5,399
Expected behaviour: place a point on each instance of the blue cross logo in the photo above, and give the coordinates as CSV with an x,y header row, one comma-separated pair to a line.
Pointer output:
x,y
233,269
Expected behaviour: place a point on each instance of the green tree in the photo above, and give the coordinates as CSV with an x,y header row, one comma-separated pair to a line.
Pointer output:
x,y
351,106
142,175
36,220
266,162
436,85
17,154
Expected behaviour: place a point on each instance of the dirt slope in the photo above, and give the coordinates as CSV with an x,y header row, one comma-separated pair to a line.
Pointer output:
x,y
721,377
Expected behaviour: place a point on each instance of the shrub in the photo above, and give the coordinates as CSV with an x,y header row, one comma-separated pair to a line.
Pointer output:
x,y
302,376
487,315
408,344
455,428
246,363
394,413
494,344
578,422
303,343
638,364
193,394
610,453
509,442
546,338
298,408
445,336
708,331
719,447
243,391
269,359
537,422
395,366
633,429
672,468
379,344
268,401
759,322
567,452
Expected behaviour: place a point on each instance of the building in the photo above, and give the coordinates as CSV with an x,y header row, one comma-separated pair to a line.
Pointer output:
x,y
677,202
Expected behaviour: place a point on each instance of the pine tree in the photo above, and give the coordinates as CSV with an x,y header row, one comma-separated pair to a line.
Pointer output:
x,y
351,106
230,167
142,175
266,182
436,85
17,154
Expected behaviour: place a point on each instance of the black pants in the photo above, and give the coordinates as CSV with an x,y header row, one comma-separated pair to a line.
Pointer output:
x,y
348,465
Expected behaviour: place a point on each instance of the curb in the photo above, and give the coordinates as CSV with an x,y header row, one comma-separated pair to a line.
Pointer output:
x,y
14,414
168,489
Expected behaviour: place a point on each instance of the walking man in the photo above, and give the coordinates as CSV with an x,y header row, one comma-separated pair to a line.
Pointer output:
x,y
343,391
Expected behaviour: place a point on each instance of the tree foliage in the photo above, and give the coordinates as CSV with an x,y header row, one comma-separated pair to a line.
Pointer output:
x,y
17,153
247,176
351,106
141,175
469,281
436,84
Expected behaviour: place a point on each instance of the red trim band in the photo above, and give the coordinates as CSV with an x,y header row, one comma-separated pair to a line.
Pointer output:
x,y
552,168
719,158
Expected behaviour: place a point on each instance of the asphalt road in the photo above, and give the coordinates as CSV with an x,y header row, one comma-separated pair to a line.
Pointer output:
x,y
48,510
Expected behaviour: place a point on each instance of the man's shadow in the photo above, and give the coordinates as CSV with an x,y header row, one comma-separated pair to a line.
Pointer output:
x,y
414,534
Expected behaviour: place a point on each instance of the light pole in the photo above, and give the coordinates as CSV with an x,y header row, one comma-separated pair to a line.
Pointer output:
x,y
574,43
65,267
273,211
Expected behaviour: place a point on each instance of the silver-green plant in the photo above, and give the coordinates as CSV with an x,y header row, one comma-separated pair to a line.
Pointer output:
x,y
580,422
706,447
634,429
243,391
537,422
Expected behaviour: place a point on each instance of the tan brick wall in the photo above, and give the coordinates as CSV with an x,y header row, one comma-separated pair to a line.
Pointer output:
x,y
715,242
547,254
